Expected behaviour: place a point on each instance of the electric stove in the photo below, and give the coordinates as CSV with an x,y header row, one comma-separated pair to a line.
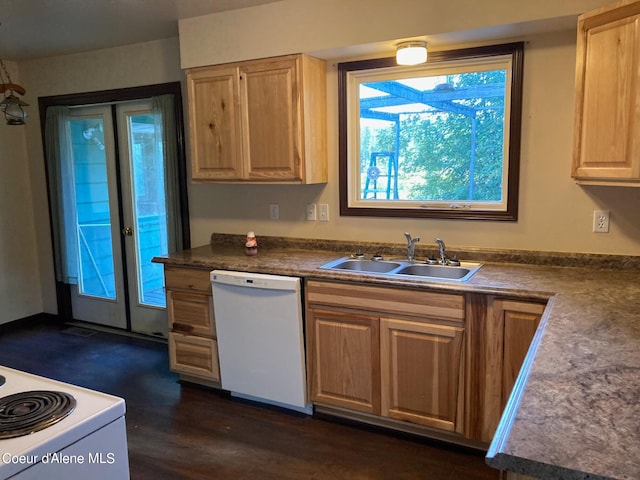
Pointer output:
x,y
55,430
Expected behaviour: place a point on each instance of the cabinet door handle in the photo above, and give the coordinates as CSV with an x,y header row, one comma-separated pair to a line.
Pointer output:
x,y
182,327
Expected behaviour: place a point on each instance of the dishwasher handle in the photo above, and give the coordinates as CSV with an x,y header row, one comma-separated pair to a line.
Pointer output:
x,y
255,280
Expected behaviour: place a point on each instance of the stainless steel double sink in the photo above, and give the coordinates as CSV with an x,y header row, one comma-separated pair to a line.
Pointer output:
x,y
404,268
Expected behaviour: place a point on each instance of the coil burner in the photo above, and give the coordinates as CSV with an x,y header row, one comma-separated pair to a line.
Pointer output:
x,y
28,412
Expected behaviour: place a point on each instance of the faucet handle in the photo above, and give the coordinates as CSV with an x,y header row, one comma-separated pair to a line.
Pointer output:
x,y
409,239
441,248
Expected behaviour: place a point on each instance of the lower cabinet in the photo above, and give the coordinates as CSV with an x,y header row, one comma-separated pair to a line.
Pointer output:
x,y
193,348
438,364
500,332
421,372
520,321
192,355
345,359
390,352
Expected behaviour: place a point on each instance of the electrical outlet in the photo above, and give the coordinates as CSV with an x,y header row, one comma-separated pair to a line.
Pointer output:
x,y
274,211
311,212
601,221
323,212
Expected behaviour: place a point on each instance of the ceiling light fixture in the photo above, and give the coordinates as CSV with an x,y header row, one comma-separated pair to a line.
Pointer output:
x,y
412,52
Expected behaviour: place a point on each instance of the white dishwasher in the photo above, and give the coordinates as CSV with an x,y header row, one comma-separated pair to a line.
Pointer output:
x,y
260,337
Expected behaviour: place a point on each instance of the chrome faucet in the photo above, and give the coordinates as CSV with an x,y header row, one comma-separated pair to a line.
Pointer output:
x,y
411,245
441,247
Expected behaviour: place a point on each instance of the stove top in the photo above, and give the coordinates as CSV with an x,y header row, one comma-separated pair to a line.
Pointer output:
x,y
27,412
59,417
91,411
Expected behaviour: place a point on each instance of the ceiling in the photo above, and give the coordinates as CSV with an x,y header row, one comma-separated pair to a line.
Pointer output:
x,y
42,28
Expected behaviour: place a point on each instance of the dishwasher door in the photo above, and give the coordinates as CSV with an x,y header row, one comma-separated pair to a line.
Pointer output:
x,y
260,337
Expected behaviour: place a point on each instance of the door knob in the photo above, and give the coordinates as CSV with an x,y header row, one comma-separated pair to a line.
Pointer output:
x,y
127,231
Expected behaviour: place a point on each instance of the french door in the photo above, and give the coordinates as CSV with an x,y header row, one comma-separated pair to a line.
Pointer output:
x,y
120,215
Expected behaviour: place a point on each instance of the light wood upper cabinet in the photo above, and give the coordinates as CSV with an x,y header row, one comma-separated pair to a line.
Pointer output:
x,y
272,127
259,121
215,123
607,121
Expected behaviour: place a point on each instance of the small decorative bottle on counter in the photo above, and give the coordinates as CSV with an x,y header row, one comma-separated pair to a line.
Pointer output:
x,y
251,245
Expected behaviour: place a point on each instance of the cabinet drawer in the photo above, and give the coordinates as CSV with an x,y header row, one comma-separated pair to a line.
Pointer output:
x,y
397,301
193,355
191,313
180,278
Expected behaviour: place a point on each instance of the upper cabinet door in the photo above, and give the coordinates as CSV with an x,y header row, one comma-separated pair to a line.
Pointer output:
x,y
259,121
215,123
271,120
606,142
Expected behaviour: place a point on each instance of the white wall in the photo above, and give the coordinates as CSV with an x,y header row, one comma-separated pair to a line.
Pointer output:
x,y
20,293
333,28
555,214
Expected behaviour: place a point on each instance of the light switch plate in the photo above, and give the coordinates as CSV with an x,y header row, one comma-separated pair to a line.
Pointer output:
x,y
274,211
311,212
323,212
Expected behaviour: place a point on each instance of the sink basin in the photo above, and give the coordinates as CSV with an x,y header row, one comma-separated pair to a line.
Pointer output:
x,y
362,265
438,271
396,267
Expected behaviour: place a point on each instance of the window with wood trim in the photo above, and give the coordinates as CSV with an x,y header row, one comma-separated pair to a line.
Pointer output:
x,y
441,139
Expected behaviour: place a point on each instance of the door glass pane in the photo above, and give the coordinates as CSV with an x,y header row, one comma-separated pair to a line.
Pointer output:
x,y
96,272
147,173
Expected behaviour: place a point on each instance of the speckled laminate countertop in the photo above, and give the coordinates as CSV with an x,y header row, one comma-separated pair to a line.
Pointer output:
x,y
575,410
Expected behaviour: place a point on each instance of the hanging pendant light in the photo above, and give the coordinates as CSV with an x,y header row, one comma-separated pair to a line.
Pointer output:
x,y
12,104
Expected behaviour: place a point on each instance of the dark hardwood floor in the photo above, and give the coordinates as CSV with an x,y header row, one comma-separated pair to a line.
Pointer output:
x,y
185,432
